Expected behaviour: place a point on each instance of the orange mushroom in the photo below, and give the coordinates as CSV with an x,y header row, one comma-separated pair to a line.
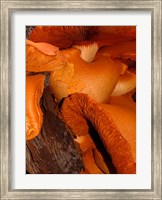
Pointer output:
x,y
120,145
70,73
124,50
97,79
60,36
34,115
88,69
42,57
99,160
66,36
90,164
125,84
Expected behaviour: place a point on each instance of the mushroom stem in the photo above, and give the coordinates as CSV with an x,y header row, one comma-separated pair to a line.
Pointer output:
x,y
88,52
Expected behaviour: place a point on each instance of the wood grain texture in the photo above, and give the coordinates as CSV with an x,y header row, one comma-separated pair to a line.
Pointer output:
x,y
53,150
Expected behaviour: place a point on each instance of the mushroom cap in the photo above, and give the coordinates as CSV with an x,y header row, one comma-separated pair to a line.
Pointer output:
x,y
97,79
125,84
34,115
41,57
66,36
125,50
124,117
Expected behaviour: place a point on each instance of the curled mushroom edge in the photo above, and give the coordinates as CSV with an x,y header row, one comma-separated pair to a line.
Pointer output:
x,y
93,80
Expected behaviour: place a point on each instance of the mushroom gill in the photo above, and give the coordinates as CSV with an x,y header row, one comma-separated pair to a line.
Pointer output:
x,y
78,108
67,36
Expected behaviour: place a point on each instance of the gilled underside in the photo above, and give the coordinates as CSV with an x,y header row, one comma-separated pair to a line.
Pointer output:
x,y
78,133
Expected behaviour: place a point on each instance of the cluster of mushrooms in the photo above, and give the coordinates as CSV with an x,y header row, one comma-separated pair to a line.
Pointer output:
x,y
90,73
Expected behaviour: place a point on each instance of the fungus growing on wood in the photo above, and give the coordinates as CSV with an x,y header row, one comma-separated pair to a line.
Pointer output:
x,y
91,67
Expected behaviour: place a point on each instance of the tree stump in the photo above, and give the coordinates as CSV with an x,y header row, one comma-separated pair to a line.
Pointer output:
x,y
53,151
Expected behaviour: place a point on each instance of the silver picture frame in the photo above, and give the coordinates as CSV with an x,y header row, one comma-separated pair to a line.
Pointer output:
x,y
155,7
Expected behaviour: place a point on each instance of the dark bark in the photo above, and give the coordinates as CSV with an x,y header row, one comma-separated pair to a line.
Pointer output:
x,y
29,29
53,150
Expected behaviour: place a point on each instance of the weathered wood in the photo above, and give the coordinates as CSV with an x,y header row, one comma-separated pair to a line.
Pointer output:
x,y
53,150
